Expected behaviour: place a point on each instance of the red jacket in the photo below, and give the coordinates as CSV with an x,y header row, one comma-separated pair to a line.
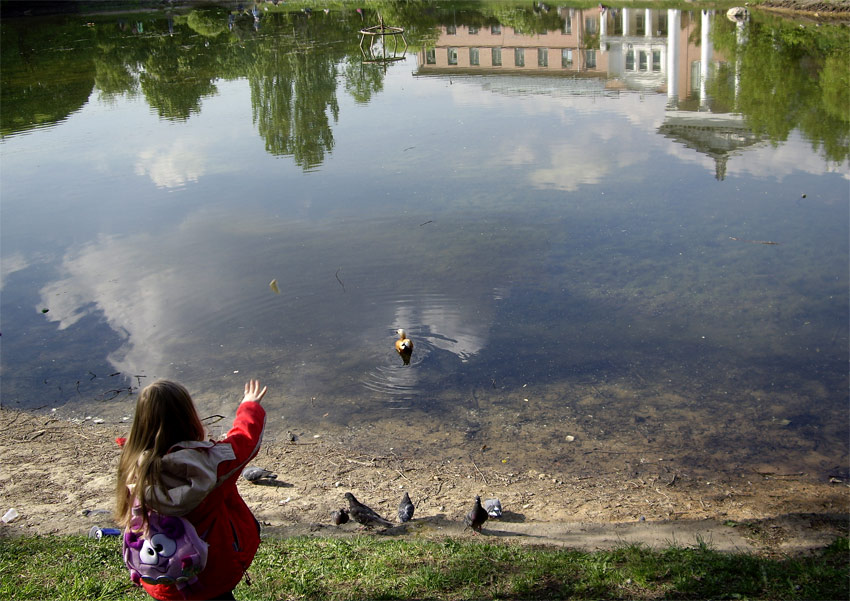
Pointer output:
x,y
200,485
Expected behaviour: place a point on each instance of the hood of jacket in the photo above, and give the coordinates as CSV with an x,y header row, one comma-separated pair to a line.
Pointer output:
x,y
189,474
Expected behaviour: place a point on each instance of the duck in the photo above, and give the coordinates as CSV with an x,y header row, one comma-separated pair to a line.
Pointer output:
x,y
404,346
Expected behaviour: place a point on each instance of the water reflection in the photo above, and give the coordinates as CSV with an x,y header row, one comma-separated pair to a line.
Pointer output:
x,y
701,60
563,205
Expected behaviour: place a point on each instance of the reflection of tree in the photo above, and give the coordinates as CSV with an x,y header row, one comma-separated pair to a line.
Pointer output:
x,y
42,87
362,80
174,80
790,77
208,22
293,93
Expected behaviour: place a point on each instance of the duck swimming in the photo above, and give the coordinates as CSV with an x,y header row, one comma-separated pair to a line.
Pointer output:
x,y
404,346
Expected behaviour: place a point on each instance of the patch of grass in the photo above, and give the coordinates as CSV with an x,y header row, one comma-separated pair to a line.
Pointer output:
x,y
375,568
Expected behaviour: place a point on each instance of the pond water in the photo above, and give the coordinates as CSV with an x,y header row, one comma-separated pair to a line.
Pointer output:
x,y
616,230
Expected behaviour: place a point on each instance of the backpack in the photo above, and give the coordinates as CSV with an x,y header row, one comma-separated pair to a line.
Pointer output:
x,y
172,552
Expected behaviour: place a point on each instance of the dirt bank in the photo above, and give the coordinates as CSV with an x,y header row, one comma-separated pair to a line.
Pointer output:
x,y
810,8
58,475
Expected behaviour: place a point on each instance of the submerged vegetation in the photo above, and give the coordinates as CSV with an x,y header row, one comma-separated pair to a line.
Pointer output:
x,y
370,568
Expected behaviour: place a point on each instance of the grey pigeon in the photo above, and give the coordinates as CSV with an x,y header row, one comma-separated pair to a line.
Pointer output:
x,y
405,509
476,516
340,516
363,514
493,508
256,474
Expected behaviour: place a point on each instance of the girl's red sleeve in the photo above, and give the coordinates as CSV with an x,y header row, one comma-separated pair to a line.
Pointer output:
x,y
245,437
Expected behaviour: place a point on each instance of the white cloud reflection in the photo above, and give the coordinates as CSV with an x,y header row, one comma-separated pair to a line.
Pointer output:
x,y
448,324
9,264
109,276
173,164
174,294
590,137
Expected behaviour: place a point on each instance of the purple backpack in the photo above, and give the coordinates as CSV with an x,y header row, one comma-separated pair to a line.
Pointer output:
x,y
172,552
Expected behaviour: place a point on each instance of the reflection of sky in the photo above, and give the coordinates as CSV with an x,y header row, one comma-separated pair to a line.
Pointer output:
x,y
568,142
170,231
452,324
172,165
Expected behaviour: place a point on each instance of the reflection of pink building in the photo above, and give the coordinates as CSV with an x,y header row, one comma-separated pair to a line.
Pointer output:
x,y
668,51
663,51
573,49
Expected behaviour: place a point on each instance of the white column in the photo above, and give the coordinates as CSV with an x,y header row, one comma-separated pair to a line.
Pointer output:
x,y
626,12
673,26
741,39
705,56
647,20
603,23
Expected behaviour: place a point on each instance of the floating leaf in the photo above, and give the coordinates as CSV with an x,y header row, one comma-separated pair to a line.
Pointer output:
x,y
273,286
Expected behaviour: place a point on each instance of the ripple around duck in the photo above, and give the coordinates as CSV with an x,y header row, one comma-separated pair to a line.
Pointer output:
x,y
394,380
435,324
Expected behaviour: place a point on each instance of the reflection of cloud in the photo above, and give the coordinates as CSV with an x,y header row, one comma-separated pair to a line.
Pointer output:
x,y
780,161
447,328
135,307
10,264
145,293
572,140
173,165
575,165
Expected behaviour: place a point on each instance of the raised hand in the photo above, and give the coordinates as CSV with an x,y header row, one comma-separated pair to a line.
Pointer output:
x,y
253,394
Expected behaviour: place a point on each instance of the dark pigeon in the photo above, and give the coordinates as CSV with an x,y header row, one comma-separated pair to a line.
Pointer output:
x,y
493,507
365,515
340,516
256,474
405,509
476,516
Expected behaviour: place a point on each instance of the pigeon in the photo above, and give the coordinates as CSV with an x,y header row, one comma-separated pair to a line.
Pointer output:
x,y
256,474
493,508
405,509
476,516
365,515
340,516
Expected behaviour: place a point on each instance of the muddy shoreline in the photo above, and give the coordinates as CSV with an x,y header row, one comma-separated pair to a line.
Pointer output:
x,y
59,476
808,8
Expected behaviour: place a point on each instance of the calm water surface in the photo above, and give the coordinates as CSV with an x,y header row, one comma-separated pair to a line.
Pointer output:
x,y
625,240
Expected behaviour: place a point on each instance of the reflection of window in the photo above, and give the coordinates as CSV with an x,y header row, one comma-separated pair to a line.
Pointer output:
x,y
542,57
568,25
431,56
451,29
519,57
566,58
662,23
473,30
474,58
656,60
640,25
496,29
642,60
590,59
590,25
695,76
630,60
452,55
496,54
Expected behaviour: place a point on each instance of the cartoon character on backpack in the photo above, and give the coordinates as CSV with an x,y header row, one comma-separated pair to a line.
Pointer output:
x,y
171,553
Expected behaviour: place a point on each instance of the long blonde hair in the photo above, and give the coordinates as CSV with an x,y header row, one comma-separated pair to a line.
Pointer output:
x,y
165,415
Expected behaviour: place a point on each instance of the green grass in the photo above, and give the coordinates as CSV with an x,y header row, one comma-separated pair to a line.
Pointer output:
x,y
365,567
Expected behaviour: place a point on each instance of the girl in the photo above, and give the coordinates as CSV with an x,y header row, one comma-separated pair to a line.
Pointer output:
x,y
168,466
